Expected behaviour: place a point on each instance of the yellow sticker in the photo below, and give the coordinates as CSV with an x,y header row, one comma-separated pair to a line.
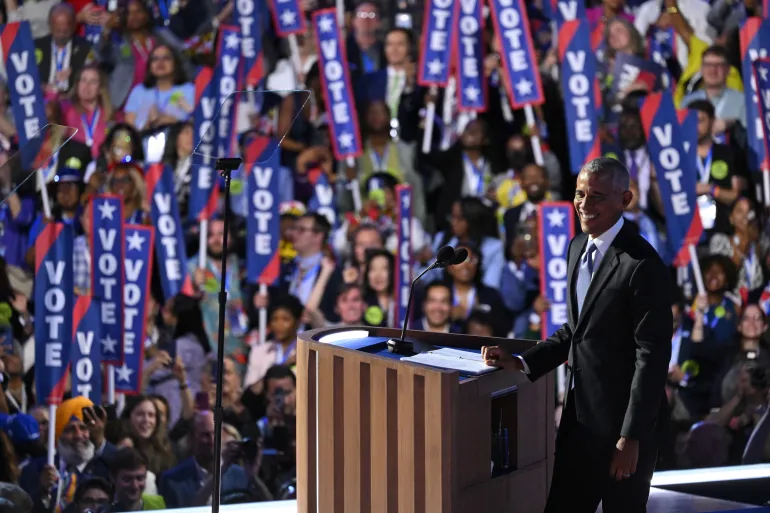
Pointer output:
x,y
719,170
374,315
236,187
720,311
38,55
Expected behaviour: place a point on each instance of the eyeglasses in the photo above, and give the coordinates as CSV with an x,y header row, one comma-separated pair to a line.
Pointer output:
x,y
90,502
366,14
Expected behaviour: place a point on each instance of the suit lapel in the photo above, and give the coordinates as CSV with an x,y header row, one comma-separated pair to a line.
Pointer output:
x,y
606,269
574,257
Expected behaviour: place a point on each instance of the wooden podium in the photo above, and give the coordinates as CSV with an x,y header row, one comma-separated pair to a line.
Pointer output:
x,y
379,435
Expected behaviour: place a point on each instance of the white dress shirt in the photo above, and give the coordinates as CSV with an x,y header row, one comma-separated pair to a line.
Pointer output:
x,y
602,243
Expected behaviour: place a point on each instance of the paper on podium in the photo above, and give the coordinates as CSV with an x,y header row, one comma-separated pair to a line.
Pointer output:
x,y
454,359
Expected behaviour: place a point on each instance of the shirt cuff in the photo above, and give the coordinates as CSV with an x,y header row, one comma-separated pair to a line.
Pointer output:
x,y
523,364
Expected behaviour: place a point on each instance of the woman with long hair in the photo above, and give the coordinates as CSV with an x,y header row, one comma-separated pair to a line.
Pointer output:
x,y
141,417
165,96
378,288
469,293
473,222
127,54
89,108
178,154
126,181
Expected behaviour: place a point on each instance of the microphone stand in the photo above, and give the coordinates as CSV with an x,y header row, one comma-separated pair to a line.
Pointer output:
x,y
225,166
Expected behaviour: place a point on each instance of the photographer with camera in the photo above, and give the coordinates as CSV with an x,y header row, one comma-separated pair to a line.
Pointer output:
x,y
278,429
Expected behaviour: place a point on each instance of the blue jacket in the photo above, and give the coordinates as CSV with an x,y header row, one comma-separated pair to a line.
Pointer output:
x,y
181,484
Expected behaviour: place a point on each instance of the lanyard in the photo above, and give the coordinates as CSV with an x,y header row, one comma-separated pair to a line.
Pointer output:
x,y
478,173
470,300
60,54
395,89
748,265
379,162
704,166
162,105
300,280
89,126
215,272
283,356
143,50
20,407
163,7
136,218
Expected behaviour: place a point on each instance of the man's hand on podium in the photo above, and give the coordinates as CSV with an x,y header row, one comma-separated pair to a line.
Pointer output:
x,y
496,356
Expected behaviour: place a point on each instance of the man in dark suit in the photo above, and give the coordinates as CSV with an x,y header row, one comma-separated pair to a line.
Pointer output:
x,y
618,344
62,54
299,277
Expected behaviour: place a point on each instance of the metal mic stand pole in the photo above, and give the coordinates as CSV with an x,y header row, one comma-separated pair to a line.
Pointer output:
x,y
225,166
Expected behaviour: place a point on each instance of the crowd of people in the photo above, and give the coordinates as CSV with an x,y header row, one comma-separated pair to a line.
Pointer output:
x,y
479,187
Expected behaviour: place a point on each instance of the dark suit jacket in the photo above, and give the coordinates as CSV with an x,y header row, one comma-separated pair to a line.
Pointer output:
x,y
29,480
373,86
452,168
181,484
619,347
80,51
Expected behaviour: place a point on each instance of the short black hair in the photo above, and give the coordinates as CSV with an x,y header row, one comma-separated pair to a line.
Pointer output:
x,y
127,458
347,287
435,284
289,303
91,483
279,372
703,106
406,32
320,223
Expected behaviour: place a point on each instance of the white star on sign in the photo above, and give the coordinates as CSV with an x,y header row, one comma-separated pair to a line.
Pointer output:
x,y
326,24
472,93
555,218
407,200
288,18
232,40
106,209
524,87
345,139
435,67
109,344
124,373
763,72
135,241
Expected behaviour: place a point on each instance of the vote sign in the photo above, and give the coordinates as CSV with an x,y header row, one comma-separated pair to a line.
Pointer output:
x,y
54,300
472,90
202,202
517,52
288,17
336,87
676,174
436,50
87,350
557,229
263,225
404,252
170,249
107,272
138,246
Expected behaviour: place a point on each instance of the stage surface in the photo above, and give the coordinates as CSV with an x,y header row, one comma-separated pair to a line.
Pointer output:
x,y
661,501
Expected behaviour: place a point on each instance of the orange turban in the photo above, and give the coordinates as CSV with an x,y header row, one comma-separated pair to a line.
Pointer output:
x,y
68,409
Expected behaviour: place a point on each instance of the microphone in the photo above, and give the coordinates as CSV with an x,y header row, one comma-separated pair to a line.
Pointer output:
x,y
444,257
461,254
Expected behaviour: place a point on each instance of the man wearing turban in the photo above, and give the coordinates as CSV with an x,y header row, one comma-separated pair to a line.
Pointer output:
x,y
81,450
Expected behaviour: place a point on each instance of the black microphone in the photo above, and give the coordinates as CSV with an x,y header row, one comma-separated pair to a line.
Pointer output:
x,y
461,254
444,258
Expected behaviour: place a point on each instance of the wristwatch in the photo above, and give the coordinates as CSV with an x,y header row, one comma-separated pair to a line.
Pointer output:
x,y
672,10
